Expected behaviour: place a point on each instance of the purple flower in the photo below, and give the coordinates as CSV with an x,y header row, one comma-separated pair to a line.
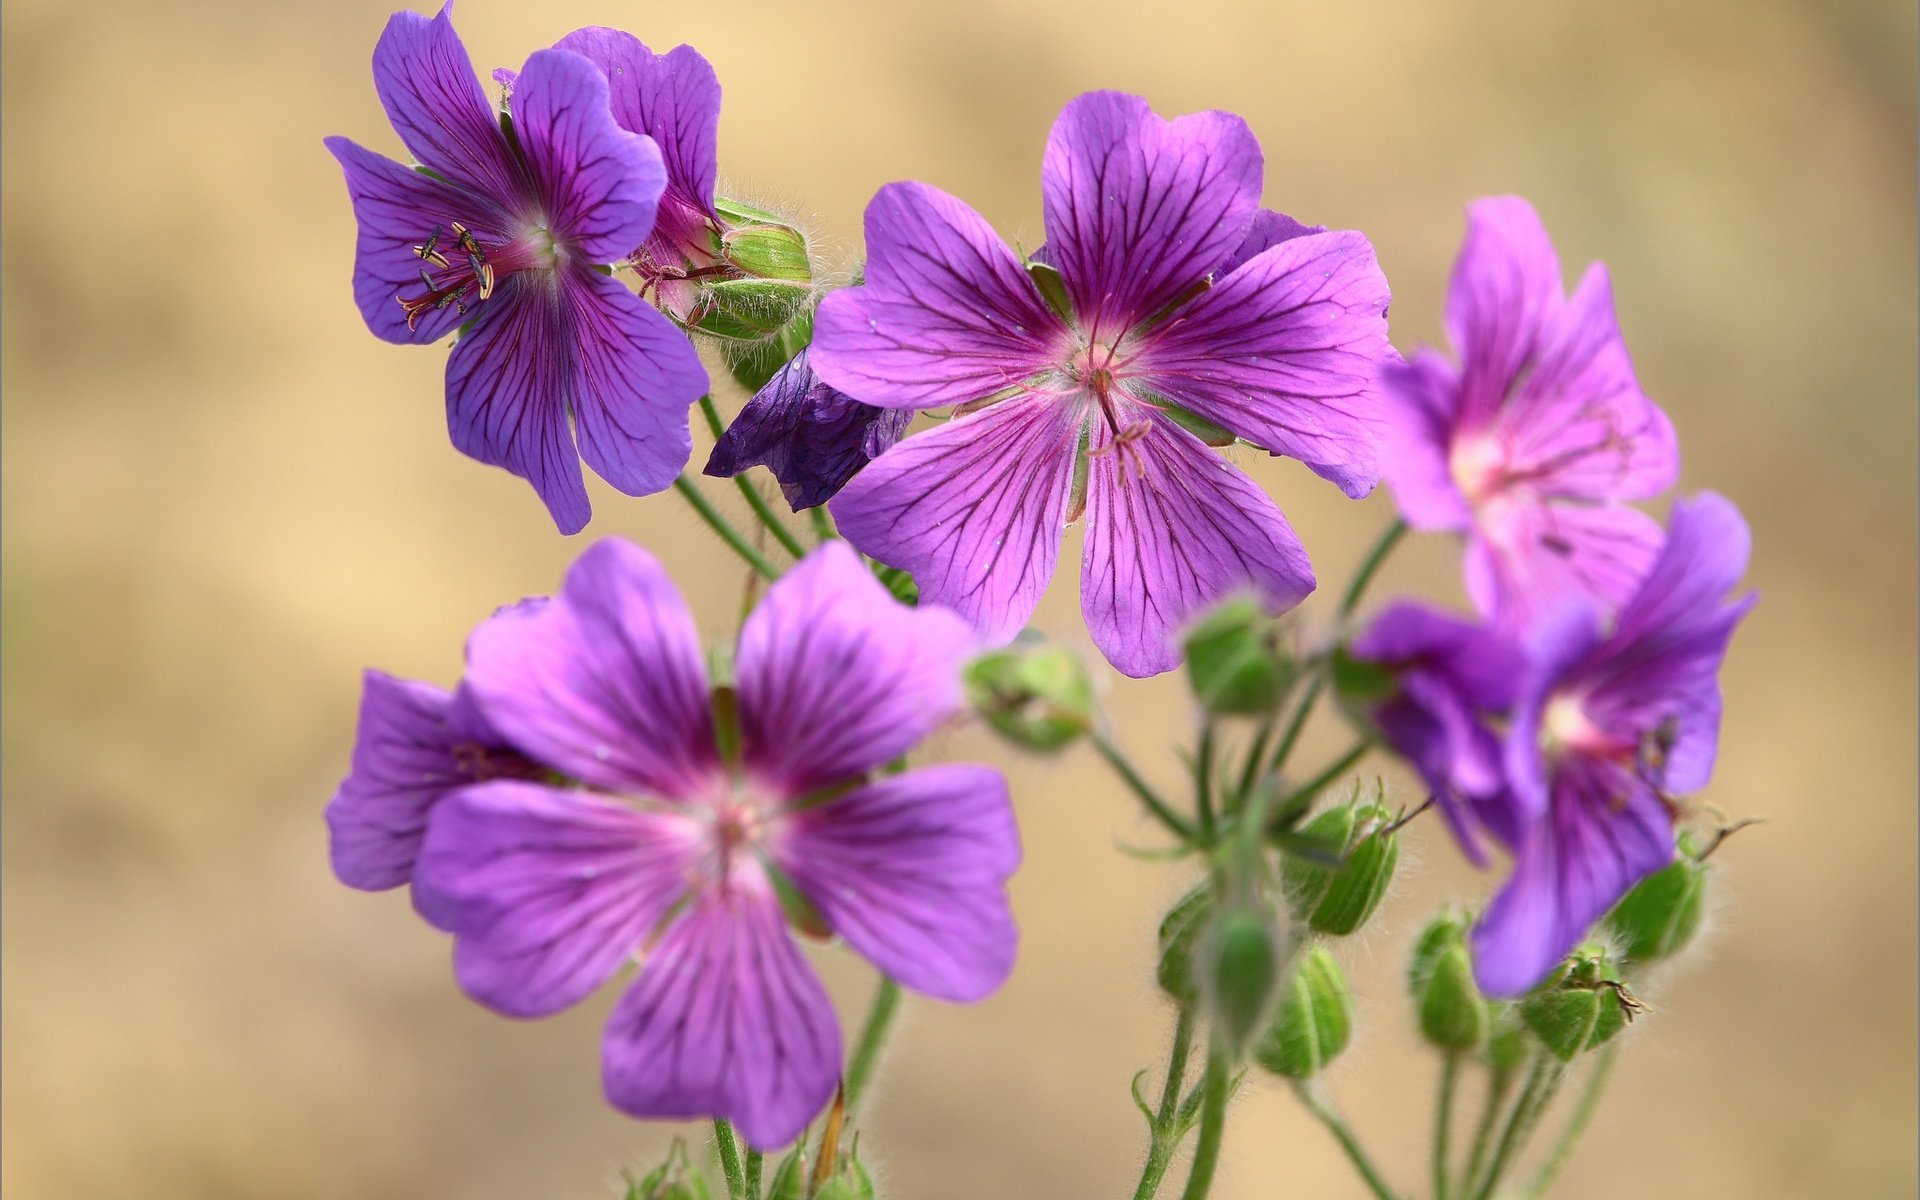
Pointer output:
x,y
501,236
811,437
1605,731
1186,303
1448,676
680,854
1532,444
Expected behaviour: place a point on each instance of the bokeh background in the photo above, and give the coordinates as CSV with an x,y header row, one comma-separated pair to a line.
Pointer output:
x,y
222,498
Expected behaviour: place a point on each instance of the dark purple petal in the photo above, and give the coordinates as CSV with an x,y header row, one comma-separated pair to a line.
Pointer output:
x,y
634,376
1267,230
605,682
673,98
548,891
912,872
837,678
1420,402
947,313
598,182
506,394
1478,664
1286,353
1173,528
404,762
1139,209
426,81
1505,293
811,437
1527,558
726,1020
973,509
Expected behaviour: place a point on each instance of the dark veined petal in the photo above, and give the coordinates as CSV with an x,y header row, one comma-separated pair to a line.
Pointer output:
x,y
974,509
1138,208
912,872
426,81
811,437
1172,528
673,98
947,313
1504,295
1267,230
727,1019
1286,353
599,183
549,891
837,678
634,376
606,681
1527,558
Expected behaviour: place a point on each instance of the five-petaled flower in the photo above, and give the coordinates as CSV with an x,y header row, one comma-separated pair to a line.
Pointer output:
x,y
810,437
500,233
1532,444
1170,297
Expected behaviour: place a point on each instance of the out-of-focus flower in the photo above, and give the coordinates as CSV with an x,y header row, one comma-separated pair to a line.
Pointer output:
x,y
813,438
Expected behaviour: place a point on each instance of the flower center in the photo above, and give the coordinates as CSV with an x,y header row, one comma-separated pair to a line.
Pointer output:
x,y
1478,464
1565,726
460,269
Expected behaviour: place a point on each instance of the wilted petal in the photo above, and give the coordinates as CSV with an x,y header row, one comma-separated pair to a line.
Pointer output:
x,y
1528,558
599,183
811,437
726,1020
1504,295
673,98
912,872
973,509
1172,528
634,375
426,81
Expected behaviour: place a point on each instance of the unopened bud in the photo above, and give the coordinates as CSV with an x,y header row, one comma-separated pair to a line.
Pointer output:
x,y
1240,971
1453,1014
1178,931
1038,697
1235,660
1581,1006
769,251
674,1179
789,1180
1662,912
750,310
1338,866
1313,1021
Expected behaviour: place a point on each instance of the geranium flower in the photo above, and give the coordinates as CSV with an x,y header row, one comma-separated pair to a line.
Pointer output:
x,y
1607,729
691,836
812,438
1168,309
502,237
1534,442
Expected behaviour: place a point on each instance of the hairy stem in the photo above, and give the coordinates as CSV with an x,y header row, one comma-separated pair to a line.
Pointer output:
x,y
720,525
873,1035
755,1161
1443,1122
1499,1083
1203,781
1291,736
1336,1125
1534,1098
1124,769
755,500
729,1149
1165,1135
1304,794
1576,1125
1213,1126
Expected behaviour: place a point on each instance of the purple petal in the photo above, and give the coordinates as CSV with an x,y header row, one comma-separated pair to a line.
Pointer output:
x,y
1555,647
947,313
1172,528
1267,230
1139,209
1285,352
837,678
605,682
635,374
1528,558
599,183
1505,292
549,891
973,509
912,872
506,394
1421,400
1605,832
426,81
1481,666
403,764
811,437
726,1020
673,98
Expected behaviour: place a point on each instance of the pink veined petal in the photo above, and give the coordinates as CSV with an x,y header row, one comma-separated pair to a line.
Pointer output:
x,y
1286,353
1528,558
634,375
1420,399
912,872
1138,209
426,81
1172,528
727,1019
599,184
1267,230
507,399
1504,295
673,98
549,891
947,314
837,678
974,509
606,681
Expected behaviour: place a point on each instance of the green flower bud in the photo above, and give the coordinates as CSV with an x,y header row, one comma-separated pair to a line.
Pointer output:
x,y
1235,661
1178,930
751,310
851,1182
1580,1006
674,1179
1338,865
1038,697
1313,1022
1453,1014
789,1180
1240,971
768,252
1662,912
1507,1040
757,358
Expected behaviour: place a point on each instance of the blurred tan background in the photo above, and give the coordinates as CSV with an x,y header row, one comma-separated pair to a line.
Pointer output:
x,y
222,498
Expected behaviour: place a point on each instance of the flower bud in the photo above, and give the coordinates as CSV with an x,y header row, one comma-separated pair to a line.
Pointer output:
x,y
674,1179
1235,661
1453,1014
789,1180
750,310
1314,1019
1036,696
1580,1006
1338,866
1178,930
1507,1039
768,251
1240,967
1662,912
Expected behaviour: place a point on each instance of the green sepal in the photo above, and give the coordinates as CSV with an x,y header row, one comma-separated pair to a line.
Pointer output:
x,y
1580,1007
739,212
1337,899
1662,913
1053,288
1453,1014
768,252
1197,425
753,363
1235,661
1314,1019
1038,697
1241,972
751,309
1178,931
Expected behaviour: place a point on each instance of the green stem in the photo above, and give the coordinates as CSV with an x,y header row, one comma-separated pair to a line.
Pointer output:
x,y
1165,1133
1499,1083
1299,722
1534,1098
1304,794
1256,756
1356,1154
1371,566
823,527
1203,779
755,1160
866,1052
1443,1122
720,525
1576,1125
729,1149
1155,805
1213,1126
754,499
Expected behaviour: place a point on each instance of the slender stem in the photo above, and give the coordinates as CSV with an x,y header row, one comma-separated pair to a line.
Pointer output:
x,y
1203,780
755,1160
1541,1082
720,525
1443,1122
1356,1154
729,1149
1499,1083
1213,1126
754,499
866,1052
1305,793
1256,757
1371,566
1155,805
823,527
1582,1114
1299,722
1165,1135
